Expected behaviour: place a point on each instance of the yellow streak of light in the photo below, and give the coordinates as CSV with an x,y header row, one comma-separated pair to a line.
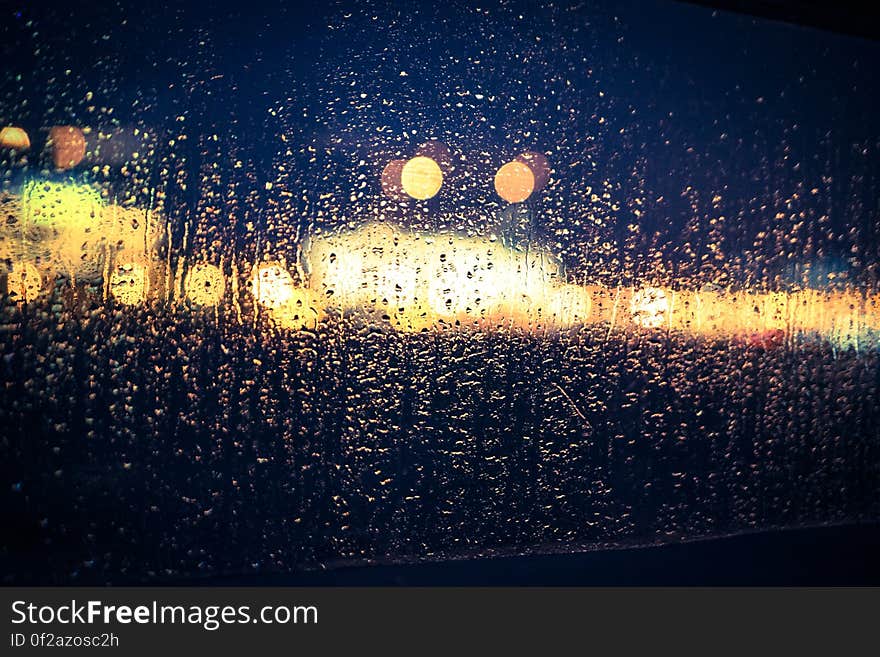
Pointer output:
x,y
649,307
409,279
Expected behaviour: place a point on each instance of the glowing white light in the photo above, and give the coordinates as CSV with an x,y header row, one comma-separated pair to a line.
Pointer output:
x,y
419,277
397,286
570,305
272,285
649,307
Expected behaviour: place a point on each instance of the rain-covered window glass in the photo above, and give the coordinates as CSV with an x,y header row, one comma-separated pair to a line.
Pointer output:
x,y
420,281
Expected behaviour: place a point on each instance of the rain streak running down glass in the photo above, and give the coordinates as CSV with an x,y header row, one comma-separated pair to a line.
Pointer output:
x,y
373,283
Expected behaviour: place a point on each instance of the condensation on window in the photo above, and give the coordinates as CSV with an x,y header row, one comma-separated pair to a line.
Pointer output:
x,y
418,282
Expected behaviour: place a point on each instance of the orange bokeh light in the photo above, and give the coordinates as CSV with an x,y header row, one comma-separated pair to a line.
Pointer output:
x,y
539,165
68,145
514,182
437,151
392,184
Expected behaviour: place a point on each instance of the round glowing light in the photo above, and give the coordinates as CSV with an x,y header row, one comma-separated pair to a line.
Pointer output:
x,y
129,283
570,305
649,307
514,182
24,283
421,177
205,285
68,144
539,165
16,138
272,285
392,184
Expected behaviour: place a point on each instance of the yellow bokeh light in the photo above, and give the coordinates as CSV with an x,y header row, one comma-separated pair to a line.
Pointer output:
x,y
421,177
60,205
68,228
301,310
514,182
24,283
272,285
205,285
16,138
129,283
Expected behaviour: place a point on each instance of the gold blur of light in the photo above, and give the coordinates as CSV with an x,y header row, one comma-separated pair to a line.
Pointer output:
x,y
570,305
68,145
61,205
302,310
69,229
129,283
421,177
289,305
391,179
15,138
514,182
24,283
649,307
421,279
205,285
272,285
539,165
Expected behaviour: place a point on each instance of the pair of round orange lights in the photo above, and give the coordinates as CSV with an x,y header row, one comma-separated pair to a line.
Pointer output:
x,y
422,176
67,143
